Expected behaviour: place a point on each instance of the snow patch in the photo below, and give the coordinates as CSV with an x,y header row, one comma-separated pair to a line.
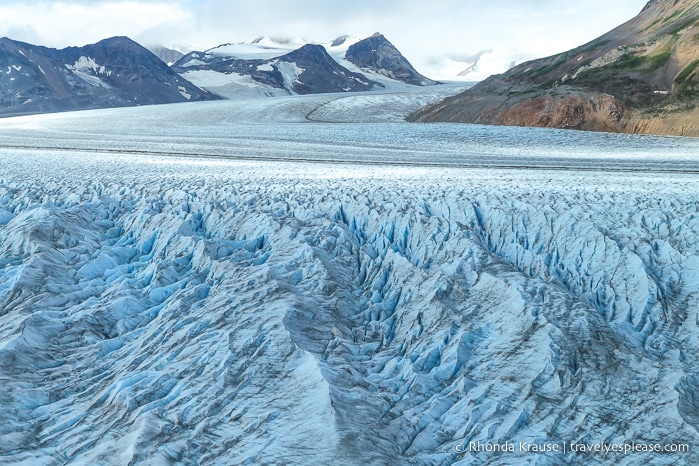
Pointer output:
x,y
231,85
88,69
184,93
88,64
290,72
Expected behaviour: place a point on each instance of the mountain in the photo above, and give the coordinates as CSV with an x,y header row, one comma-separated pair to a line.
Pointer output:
x,y
321,74
377,54
306,70
115,72
642,77
278,66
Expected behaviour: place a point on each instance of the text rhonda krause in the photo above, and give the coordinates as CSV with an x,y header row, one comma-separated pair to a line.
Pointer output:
x,y
571,447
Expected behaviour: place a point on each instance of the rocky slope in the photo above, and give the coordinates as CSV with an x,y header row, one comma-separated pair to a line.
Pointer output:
x,y
319,73
115,72
642,77
377,54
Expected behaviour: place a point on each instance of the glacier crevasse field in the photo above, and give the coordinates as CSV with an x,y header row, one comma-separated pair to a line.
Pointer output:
x,y
187,285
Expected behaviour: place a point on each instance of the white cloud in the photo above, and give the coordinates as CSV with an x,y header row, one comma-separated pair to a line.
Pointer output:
x,y
63,24
431,33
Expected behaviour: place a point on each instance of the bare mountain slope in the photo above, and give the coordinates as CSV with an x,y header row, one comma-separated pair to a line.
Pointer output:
x,y
642,77
377,54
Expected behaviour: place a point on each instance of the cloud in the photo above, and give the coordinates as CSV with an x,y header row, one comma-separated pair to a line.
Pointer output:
x,y
468,57
62,24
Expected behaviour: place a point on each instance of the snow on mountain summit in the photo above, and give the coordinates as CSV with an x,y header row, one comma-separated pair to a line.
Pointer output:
x,y
340,44
276,41
261,48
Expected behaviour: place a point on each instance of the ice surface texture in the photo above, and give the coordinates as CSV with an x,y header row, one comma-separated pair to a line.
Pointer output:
x,y
169,310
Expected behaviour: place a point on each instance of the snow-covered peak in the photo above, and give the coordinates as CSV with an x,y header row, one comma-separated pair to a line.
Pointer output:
x,y
338,47
280,42
342,42
262,48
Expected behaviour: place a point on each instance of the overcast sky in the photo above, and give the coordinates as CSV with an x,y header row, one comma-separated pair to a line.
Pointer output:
x,y
438,36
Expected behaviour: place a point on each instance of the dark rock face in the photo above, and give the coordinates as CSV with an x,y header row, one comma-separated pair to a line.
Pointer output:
x,y
322,74
377,54
115,72
648,67
339,41
308,70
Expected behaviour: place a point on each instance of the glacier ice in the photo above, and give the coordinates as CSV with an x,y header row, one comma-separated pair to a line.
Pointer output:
x,y
165,310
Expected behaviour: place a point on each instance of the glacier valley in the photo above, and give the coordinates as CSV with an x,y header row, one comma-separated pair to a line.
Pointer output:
x,y
311,281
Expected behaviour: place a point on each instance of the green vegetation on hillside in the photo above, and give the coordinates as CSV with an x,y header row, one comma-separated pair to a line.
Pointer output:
x,y
687,82
676,14
646,63
685,74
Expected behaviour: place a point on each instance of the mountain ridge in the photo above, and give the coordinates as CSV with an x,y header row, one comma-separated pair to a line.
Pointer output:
x,y
306,70
114,72
345,64
118,72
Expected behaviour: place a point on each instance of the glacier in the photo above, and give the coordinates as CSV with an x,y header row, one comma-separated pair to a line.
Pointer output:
x,y
312,281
